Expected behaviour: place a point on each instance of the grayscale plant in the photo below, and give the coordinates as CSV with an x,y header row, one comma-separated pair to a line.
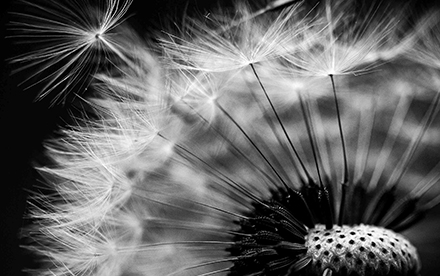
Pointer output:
x,y
286,139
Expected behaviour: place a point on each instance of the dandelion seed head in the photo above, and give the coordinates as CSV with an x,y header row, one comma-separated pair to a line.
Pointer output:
x,y
245,143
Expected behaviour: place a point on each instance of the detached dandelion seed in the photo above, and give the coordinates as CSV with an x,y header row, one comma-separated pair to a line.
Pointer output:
x,y
218,149
73,41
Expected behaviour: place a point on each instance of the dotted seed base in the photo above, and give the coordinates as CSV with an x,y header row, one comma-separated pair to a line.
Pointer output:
x,y
361,250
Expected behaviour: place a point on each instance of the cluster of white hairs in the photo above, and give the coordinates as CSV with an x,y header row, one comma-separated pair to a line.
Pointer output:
x,y
185,134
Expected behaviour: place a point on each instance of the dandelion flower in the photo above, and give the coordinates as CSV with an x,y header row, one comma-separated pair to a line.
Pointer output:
x,y
220,150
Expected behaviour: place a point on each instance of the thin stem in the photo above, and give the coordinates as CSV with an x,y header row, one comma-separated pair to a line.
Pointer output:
x,y
271,123
204,264
310,135
254,145
344,153
341,214
281,123
365,132
220,175
341,133
231,144
216,271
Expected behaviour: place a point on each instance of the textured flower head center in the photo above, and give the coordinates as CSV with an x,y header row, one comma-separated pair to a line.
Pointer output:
x,y
362,249
277,239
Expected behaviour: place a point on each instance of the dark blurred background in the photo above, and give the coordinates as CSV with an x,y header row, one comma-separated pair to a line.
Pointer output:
x,y
26,123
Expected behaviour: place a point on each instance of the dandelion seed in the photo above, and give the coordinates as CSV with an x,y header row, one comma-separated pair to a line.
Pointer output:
x,y
339,42
72,40
428,40
231,46
194,161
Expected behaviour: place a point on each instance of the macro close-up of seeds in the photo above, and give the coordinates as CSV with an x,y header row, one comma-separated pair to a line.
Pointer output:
x,y
234,138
